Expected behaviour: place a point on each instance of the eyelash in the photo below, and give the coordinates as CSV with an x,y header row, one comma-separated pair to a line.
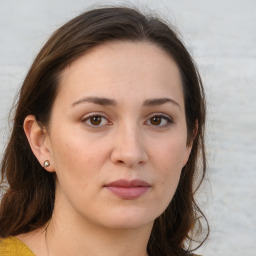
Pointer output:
x,y
89,117
168,120
161,116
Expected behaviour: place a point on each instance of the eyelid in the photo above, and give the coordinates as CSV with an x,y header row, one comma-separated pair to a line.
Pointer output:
x,y
168,118
160,114
97,114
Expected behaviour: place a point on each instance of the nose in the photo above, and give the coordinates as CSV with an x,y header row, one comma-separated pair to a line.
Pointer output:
x,y
129,148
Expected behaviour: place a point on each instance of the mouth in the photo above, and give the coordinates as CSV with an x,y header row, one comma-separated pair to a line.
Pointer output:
x,y
128,190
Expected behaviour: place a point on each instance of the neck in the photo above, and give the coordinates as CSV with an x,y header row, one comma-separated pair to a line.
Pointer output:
x,y
75,238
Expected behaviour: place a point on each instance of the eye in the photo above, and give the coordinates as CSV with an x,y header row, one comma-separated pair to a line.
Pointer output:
x,y
95,120
159,120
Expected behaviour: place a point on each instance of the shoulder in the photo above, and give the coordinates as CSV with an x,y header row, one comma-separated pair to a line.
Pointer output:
x,y
12,246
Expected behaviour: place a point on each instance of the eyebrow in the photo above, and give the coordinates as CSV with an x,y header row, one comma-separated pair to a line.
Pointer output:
x,y
110,102
96,100
160,101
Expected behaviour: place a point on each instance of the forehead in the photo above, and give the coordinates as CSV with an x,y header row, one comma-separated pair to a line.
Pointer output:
x,y
122,69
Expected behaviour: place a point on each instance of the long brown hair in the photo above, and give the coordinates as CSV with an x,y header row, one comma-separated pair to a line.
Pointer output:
x,y
28,201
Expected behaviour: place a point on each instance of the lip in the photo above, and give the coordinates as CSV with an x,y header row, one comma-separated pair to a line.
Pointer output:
x,y
128,190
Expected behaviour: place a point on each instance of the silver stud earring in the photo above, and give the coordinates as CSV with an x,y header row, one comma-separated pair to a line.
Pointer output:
x,y
46,163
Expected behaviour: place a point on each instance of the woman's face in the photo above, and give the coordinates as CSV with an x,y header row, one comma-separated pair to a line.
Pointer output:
x,y
117,135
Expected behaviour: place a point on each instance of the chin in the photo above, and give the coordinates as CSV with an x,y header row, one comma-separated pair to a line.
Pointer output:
x,y
128,220
129,224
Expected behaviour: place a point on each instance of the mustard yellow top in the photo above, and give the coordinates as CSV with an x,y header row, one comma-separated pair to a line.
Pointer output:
x,y
12,246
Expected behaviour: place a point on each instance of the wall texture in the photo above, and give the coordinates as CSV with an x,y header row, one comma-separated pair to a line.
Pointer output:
x,y
221,36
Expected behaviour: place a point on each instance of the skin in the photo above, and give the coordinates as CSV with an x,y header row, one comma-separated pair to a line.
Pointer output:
x,y
131,138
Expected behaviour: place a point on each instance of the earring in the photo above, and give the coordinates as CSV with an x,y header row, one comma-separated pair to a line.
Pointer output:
x,y
46,163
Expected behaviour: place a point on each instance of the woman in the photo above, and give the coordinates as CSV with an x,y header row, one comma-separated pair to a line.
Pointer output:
x,y
103,155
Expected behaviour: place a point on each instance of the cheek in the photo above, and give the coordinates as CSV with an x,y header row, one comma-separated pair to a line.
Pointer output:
x,y
77,158
170,155
70,147
169,177
169,160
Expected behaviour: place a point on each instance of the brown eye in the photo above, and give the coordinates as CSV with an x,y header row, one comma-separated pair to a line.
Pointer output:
x,y
95,120
160,121
156,120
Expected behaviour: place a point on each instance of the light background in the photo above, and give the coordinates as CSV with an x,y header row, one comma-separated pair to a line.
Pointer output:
x,y
221,36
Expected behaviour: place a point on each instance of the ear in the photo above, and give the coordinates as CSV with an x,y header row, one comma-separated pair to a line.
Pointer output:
x,y
190,143
39,141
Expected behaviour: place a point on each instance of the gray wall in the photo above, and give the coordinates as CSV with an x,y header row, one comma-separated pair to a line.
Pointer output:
x,y
221,36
